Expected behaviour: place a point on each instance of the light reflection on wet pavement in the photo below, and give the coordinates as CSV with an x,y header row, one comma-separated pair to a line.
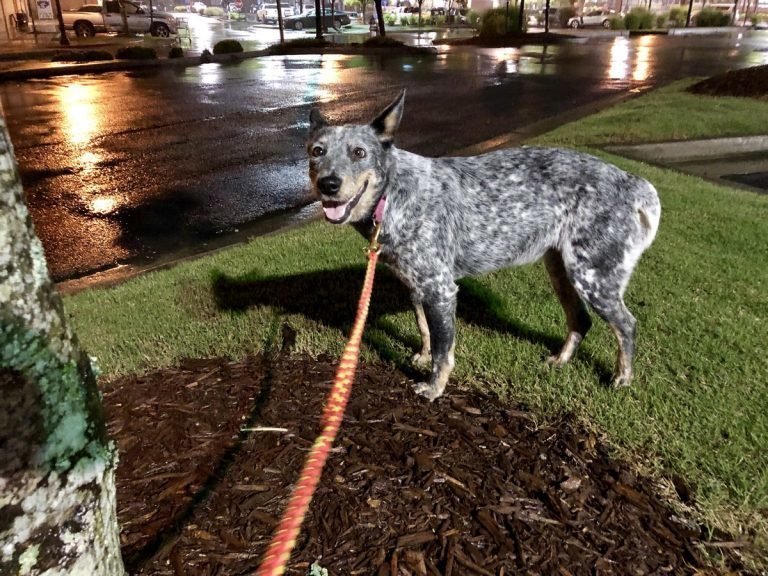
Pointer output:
x,y
137,166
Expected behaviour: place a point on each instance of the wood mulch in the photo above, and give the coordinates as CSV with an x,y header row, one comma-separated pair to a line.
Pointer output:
x,y
463,486
747,82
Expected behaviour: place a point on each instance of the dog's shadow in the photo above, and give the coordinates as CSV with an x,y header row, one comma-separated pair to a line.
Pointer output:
x,y
329,297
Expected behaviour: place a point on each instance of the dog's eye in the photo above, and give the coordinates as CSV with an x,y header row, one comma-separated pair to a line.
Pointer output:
x,y
318,151
359,153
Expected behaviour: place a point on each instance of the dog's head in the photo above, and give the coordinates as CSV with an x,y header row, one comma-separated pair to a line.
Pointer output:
x,y
348,164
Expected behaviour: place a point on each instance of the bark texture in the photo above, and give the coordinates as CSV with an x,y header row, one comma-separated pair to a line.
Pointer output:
x,y
57,490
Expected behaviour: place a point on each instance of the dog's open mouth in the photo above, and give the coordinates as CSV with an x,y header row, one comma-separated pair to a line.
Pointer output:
x,y
338,212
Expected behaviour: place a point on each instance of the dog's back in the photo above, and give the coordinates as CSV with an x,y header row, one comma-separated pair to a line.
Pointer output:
x,y
509,207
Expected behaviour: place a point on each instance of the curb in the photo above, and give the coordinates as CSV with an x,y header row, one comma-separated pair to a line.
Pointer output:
x,y
50,71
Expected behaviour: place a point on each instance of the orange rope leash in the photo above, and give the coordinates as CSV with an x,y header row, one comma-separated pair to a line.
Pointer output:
x,y
284,538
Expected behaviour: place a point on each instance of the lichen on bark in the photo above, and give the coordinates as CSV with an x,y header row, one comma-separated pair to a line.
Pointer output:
x,y
57,492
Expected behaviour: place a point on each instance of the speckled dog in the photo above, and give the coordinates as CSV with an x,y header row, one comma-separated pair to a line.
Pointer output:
x,y
446,218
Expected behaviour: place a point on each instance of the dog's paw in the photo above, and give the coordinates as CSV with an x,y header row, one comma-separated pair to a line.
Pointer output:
x,y
427,391
621,381
555,361
421,359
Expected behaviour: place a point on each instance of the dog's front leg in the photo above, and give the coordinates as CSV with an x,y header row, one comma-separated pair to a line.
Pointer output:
x,y
423,357
440,315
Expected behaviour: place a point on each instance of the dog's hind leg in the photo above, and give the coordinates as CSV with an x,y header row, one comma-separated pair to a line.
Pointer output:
x,y
440,315
424,357
576,315
603,291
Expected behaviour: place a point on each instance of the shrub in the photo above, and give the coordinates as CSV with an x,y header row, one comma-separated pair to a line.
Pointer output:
x,y
677,16
180,9
205,56
414,20
390,18
213,11
639,18
382,42
617,23
661,20
473,17
176,52
711,17
565,14
136,53
81,56
227,47
496,22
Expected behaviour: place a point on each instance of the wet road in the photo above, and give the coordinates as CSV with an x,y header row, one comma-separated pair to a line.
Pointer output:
x,y
135,167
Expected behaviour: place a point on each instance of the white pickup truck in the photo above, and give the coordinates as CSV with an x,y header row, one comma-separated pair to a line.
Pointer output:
x,y
93,18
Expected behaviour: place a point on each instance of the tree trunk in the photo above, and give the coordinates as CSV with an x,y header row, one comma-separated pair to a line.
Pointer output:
x,y
57,489
380,16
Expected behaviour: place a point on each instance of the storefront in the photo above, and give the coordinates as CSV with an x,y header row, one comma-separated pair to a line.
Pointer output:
x,y
21,16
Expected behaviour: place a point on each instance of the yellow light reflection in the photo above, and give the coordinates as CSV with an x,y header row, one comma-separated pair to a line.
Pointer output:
x,y
618,66
103,205
643,58
81,118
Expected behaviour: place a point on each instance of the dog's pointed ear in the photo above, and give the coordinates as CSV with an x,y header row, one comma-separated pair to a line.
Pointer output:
x,y
316,120
385,125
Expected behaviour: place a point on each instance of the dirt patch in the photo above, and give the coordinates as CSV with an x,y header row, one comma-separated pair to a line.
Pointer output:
x,y
466,485
748,82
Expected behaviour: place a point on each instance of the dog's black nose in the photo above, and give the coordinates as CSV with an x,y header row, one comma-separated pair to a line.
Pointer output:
x,y
330,185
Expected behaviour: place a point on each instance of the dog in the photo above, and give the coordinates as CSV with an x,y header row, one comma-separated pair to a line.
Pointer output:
x,y
443,219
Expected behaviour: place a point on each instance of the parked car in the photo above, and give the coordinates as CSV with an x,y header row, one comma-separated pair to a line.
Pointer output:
x,y
597,17
198,7
93,18
268,12
308,19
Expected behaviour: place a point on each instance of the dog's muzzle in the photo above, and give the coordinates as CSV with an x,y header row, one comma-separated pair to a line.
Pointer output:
x,y
338,212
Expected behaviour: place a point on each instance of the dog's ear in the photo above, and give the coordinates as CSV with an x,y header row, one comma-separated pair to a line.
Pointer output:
x,y
316,120
385,125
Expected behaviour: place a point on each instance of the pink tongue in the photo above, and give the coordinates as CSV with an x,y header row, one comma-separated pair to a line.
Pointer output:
x,y
334,212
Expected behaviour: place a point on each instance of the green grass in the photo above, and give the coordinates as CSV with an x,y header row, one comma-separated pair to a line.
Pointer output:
x,y
669,113
698,407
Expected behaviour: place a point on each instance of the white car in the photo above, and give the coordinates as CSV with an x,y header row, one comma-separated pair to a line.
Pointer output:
x,y
596,17
198,7
268,12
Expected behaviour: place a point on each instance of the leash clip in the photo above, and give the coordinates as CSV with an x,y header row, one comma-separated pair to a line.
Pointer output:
x,y
374,246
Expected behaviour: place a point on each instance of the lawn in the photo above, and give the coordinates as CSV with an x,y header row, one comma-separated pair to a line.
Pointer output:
x,y
698,408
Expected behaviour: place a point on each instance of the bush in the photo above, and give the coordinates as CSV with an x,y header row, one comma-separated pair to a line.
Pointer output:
x,y
711,17
565,14
413,20
213,11
382,42
205,56
639,18
81,56
227,47
180,9
136,53
176,52
661,20
495,22
439,20
677,16
390,18
473,17
617,23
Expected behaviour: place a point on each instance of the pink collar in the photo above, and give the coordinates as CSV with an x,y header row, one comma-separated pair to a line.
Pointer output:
x,y
378,214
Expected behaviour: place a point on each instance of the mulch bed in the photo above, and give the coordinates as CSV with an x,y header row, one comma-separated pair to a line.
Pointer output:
x,y
747,82
465,485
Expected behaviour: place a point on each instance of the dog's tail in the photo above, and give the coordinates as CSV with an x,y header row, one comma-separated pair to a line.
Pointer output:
x,y
648,209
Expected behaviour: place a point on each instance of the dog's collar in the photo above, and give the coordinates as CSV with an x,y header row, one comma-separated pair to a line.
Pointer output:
x,y
378,214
